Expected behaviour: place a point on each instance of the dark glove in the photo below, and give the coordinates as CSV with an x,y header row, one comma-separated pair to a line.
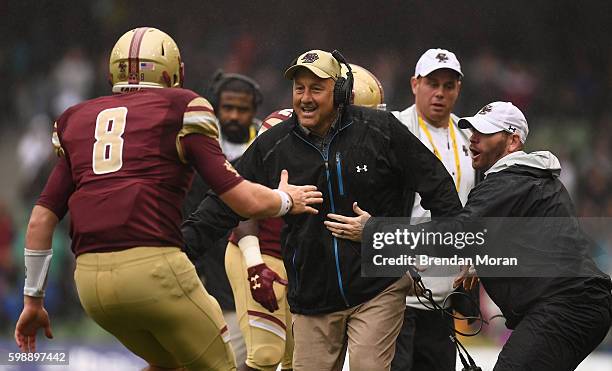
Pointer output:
x,y
261,280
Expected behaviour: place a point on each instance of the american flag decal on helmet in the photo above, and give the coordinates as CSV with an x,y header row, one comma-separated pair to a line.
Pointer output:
x,y
147,66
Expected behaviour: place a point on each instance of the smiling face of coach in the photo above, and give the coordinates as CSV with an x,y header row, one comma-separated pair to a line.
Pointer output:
x,y
314,76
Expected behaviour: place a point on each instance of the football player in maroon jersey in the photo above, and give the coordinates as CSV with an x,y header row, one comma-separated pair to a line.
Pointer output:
x,y
126,162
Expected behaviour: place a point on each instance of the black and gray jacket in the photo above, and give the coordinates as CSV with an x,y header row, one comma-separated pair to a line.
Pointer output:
x,y
526,187
372,159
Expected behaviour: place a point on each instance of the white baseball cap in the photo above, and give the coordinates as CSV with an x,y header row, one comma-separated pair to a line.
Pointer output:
x,y
496,117
435,59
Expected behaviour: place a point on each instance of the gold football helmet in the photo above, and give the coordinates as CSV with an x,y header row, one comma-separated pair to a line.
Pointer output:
x,y
145,57
367,90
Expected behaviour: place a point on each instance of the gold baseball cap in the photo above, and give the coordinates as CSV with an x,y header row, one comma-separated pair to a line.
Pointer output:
x,y
321,63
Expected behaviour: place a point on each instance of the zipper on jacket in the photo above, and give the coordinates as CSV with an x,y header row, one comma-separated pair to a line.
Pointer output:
x,y
333,210
297,279
329,188
339,172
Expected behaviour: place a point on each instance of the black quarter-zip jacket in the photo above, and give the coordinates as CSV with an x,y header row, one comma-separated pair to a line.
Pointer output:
x,y
371,158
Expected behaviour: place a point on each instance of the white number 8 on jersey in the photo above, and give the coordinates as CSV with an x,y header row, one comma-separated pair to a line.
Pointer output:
x,y
108,148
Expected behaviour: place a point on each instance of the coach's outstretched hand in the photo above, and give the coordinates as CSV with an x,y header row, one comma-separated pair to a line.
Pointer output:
x,y
33,317
261,282
301,196
347,227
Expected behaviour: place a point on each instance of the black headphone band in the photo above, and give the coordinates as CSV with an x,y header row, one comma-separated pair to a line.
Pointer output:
x,y
221,79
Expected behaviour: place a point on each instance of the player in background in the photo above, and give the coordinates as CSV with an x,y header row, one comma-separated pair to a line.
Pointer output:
x,y
253,261
126,162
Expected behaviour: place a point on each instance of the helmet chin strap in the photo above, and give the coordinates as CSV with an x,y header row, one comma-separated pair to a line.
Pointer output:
x,y
181,73
167,79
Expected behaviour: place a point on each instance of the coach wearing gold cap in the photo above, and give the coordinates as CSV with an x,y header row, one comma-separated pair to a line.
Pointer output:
x,y
354,155
315,104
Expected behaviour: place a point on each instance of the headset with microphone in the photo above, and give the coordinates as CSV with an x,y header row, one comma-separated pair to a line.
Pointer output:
x,y
343,88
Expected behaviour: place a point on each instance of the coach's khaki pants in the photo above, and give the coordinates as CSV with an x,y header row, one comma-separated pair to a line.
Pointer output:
x,y
368,329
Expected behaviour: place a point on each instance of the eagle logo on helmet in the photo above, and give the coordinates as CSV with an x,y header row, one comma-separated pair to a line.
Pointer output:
x,y
122,68
310,58
441,57
486,109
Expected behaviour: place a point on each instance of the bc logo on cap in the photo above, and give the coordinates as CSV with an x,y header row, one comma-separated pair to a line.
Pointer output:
x,y
486,109
441,57
310,58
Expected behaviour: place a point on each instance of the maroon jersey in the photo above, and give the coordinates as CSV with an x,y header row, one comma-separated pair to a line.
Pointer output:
x,y
269,236
130,167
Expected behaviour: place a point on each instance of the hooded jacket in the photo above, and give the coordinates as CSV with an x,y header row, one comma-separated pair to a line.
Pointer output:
x,y
527,185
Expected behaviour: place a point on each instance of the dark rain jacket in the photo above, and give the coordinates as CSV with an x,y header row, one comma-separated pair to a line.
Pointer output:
x,y
541,229
370,158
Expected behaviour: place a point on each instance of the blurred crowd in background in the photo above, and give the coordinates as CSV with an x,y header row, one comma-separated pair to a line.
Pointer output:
x,y
553,61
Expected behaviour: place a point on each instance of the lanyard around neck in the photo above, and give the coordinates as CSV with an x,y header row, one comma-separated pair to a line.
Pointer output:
x,y
435,149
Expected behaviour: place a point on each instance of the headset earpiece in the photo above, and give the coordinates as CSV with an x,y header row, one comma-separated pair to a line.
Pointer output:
x,y
339,92
343,88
